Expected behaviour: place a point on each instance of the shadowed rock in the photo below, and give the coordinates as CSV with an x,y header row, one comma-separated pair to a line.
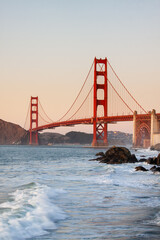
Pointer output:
x,y
100,154
142,160
116,155
154,160
158,159
140,168
119,155
155,169
133,159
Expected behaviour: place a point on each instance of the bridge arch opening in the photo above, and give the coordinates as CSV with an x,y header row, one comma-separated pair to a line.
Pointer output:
x,y
143,135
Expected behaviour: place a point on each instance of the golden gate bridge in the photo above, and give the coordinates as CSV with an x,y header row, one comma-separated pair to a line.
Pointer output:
x,y
102,99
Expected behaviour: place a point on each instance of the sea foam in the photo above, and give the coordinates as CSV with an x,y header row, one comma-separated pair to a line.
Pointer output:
x,y
30,212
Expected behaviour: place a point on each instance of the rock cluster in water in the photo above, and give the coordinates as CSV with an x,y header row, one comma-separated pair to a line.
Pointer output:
x,y
119,155
116,155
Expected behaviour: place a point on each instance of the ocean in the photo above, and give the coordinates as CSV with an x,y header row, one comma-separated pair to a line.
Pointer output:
x,y
57,193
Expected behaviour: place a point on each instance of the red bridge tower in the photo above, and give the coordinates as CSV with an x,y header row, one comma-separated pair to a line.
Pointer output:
x,y
33,121
100,82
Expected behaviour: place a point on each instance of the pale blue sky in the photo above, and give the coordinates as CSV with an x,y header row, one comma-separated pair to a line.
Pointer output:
x,y
45,45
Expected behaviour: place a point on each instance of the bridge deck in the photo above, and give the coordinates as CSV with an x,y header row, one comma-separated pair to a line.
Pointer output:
x,y
108,119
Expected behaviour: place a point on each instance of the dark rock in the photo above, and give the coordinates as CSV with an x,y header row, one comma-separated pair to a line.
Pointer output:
x,y
152,148
152,160
155,160
120,155
133,159
158,159
95,159
104,160
140,168
149,160
100,158
116,155
155,169
100,154
142,160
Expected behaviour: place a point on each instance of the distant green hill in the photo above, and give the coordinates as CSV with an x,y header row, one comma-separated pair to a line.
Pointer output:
x,y
114,138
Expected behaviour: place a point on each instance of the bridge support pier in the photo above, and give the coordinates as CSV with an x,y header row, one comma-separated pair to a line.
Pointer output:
x,y
141,131
134,129
33,140
146,131
100,128
99,134
155,129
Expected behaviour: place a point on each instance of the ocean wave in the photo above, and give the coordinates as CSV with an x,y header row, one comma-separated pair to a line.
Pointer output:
x,y
30,212
155,218
103,179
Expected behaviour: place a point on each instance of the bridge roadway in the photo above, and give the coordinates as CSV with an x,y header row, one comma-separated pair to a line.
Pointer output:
x,y
109,119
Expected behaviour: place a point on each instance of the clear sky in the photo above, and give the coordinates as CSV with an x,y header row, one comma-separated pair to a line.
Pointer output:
x,y
47,47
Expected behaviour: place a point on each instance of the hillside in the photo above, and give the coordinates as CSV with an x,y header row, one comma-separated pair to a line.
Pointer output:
x,y
114,138
52,138
11,133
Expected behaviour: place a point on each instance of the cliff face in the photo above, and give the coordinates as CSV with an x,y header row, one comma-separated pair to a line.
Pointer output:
x,y
10,133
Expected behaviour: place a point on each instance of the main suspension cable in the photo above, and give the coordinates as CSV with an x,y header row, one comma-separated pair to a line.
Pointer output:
x,y
27,114
81,103
125,87
78,94
45,113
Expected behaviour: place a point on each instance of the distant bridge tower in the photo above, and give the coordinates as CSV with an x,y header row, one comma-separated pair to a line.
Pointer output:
x,y
33,121
100,82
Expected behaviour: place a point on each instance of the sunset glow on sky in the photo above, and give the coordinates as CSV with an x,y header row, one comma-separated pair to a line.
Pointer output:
x,y
48,46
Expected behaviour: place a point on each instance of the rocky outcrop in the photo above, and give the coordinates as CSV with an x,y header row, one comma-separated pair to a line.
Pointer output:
x,y
155,169
116,155
154,160
119,155
10,133
141,168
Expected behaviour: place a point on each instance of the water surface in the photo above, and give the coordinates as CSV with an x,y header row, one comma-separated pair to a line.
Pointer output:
x,y
56,193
